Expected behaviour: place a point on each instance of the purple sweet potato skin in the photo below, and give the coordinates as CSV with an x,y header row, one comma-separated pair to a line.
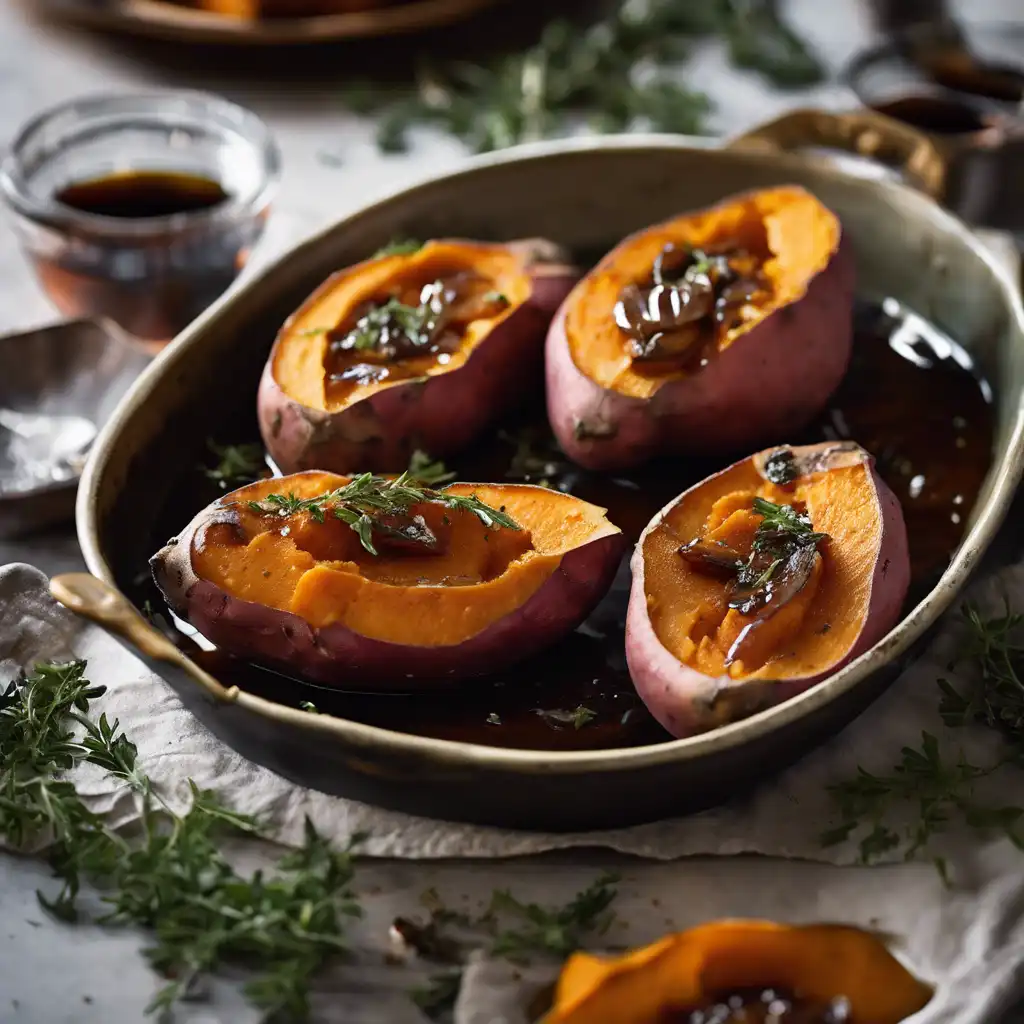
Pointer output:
x,y
439,414
687,702
336,656
768,384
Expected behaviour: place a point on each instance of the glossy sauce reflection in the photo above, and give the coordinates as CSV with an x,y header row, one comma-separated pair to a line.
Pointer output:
x,y
911,397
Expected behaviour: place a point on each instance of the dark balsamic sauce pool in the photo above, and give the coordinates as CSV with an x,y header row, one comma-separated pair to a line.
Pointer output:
x,y
912,397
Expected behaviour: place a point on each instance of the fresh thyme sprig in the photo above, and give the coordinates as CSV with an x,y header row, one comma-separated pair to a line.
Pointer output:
x,y
995,695
364,500
554,931
398,247
172,879
517,932
239,464
618,73
937,787
782,522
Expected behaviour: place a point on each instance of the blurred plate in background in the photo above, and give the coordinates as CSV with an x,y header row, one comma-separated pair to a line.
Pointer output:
x,y
163,20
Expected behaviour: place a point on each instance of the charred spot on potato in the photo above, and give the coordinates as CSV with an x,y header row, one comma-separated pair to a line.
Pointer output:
x,y
405,532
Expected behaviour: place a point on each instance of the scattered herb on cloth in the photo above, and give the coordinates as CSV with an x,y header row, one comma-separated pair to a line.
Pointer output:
x,y
618,73
940,785
553,931
171,879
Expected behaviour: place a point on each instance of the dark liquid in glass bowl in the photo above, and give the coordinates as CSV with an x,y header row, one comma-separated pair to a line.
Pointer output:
x,y
153,282
143,194
911,396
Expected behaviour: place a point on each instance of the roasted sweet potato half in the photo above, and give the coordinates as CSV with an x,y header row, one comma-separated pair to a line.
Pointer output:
x,y
379,583
715,332
761,581
743,972
409,350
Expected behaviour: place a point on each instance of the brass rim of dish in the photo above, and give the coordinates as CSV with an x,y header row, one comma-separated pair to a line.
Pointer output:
x,y
986,517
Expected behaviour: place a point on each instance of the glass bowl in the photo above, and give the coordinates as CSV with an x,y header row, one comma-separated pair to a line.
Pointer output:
x,y
152,274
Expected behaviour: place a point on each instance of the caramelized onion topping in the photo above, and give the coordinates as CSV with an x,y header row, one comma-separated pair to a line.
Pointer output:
x,y
691,293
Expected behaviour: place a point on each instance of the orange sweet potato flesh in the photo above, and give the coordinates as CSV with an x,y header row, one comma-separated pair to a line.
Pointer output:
x,y
815,962
301,362
320,571
793,233
688,607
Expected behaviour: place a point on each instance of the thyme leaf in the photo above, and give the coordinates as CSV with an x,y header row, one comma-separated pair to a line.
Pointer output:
x,y
398,247
362,501
577,717
781,535
239,464
782,522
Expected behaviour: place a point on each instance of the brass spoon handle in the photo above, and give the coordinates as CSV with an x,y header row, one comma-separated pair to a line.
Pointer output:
x,y
90,597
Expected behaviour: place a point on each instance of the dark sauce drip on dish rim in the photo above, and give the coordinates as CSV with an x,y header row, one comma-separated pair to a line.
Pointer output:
x,y
911,397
